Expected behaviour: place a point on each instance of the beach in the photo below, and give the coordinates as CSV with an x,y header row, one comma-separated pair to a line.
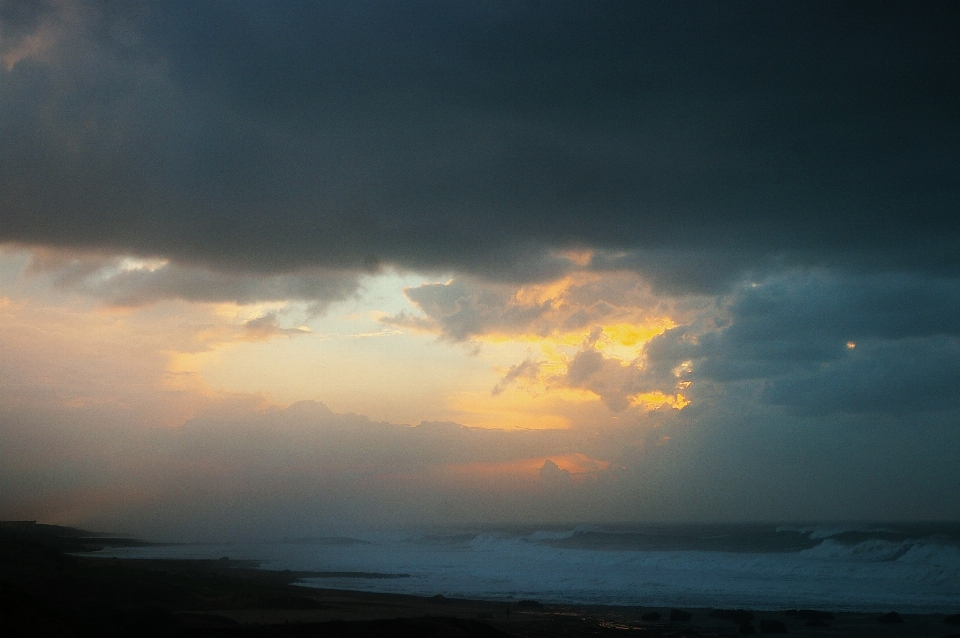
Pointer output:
x,y
48,589
835,567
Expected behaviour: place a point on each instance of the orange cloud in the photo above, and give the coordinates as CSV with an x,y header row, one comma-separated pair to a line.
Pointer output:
x,y
579,467
598,320
653,400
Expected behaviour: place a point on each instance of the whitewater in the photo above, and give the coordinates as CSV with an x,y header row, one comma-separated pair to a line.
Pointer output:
x,y
871,568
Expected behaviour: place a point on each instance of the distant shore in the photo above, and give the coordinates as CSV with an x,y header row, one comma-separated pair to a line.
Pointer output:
x,y
46,590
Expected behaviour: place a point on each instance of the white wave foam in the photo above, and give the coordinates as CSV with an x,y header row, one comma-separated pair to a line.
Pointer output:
x,y
819,532
559,535
874,575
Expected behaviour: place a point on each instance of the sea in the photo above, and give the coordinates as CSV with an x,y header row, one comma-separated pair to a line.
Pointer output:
x,y
910,568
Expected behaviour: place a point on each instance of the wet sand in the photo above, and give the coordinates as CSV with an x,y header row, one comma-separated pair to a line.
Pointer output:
x,y
47,592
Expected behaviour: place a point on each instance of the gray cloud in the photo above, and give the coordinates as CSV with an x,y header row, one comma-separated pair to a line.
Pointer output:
x,y
125,282
705,142
551,474
526,369
248,473
311,432
265,327
898,377
467,307
19,18
463,309
306,470
822,344
615,381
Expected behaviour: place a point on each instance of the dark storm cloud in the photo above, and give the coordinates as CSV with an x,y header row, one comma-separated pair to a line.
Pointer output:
x,y
819,344
19,18
793,322
694,141
900,377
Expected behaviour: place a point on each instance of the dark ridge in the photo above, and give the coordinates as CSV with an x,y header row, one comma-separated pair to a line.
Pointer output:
x,y
63,539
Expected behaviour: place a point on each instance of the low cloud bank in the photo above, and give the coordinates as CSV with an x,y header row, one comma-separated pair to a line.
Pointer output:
x,y
693,144
305,470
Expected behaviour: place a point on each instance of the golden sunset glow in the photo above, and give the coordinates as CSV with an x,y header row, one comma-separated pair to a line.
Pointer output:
x,y
519,408
654,400
277,353
579,467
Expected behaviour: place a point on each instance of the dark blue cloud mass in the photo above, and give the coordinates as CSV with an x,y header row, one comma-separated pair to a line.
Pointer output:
x,y
478,137
819,344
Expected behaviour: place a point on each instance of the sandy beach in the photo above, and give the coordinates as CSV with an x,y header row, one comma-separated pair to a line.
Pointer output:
x,y
48,589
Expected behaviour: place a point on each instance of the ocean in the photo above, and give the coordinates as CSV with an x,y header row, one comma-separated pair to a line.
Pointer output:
x,y
910,568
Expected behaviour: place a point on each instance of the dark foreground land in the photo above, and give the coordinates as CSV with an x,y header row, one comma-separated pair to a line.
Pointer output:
x,y
44,591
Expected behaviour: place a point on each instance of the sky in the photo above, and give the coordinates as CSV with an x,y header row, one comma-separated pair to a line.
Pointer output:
x,y
276,269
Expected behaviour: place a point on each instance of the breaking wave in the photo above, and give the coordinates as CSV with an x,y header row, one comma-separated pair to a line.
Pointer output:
x,y
866,568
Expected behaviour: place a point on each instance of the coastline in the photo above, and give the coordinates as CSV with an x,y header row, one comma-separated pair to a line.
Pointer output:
x,y
48,591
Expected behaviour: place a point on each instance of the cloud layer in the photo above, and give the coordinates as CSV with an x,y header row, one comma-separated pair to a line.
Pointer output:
x,y
690,142
306,471
822,344
123,281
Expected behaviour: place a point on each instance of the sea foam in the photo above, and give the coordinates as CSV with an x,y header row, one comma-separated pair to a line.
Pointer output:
x,y
878,568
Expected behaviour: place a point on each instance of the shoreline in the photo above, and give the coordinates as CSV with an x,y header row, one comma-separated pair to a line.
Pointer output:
x,y
651,589
46,589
